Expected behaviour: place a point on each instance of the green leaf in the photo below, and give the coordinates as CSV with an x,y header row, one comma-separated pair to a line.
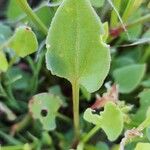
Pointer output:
x,y
129,77
114,17
144,105
146,122
3,62
24,41
146,34
98,146
142,146
146,83
45,14
13,11
122,61
111,125
97,3
5,33
75,49
148,133
135,31
106,31
132,6
56,90
91,117
20,79
44,107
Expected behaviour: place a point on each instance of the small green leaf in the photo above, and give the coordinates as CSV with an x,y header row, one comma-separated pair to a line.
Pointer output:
x,y
44,107
20,79
129,77
122,61
3,62
111,125
92,118
112,131
75,49
24,41
144,105
142,146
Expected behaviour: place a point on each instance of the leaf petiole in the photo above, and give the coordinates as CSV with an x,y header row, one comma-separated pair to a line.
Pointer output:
x,y
87,137
75,92
30,13
63,117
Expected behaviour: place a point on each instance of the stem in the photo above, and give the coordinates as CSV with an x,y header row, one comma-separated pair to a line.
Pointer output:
x,y
114,17
115,32
36,20
2,91
75,91
12,61
63,117
21,125
90,134
16,147
141,20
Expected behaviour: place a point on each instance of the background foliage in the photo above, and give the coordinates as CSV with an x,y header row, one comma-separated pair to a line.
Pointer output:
x,y
23,115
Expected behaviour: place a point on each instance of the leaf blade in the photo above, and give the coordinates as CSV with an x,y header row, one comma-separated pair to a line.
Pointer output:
x,y
124,79
48,104
24,41
104,120
69,58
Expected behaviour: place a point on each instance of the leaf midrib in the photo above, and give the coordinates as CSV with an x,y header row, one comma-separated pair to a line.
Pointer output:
x,y
77,42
